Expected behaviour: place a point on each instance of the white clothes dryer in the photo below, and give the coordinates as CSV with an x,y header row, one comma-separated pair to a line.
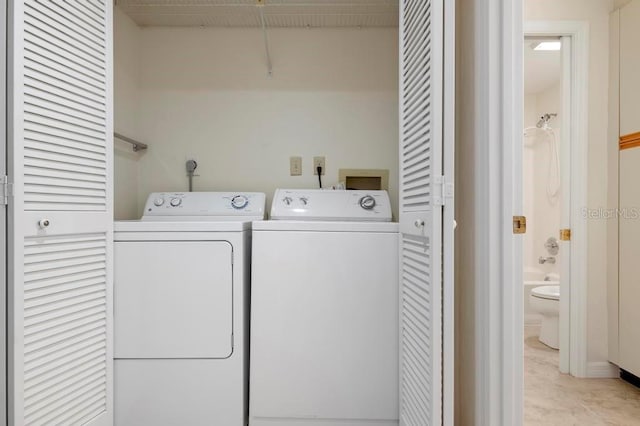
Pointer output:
x,y
324,311
181,295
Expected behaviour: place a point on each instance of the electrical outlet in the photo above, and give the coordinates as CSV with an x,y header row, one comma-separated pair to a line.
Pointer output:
x,y
318,161
295,166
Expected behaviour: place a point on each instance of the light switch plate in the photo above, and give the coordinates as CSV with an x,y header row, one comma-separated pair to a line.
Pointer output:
x,y
295,166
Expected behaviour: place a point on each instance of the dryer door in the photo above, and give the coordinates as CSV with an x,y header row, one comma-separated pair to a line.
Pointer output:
x,y
173,299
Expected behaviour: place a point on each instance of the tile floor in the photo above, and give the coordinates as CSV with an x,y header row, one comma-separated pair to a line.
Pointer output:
x,y
551,398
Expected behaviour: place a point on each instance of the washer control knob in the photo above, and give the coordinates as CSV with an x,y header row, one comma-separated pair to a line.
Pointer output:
x,y
287,200
175,202
158,201
367,202
239,202
304,201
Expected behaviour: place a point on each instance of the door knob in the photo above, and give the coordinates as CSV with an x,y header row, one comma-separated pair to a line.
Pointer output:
x,y
44,223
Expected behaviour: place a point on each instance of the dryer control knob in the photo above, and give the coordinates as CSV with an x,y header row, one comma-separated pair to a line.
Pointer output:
x,y
367,202
175,202
239,202
287,200
158,202
304,201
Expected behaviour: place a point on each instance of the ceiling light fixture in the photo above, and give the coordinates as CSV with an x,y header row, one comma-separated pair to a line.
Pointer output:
x,y
547,45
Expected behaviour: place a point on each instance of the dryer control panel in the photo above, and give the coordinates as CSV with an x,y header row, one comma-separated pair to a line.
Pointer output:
x,y
340,205
204,206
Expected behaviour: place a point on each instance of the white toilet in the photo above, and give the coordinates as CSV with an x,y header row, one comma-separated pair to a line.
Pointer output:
x,y
546,301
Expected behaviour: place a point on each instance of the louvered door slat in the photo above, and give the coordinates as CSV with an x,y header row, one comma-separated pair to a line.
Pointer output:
x,y
421,170
63,147
54,75
85,149
64,64
60,135
61,250
76,25
48,29
38,77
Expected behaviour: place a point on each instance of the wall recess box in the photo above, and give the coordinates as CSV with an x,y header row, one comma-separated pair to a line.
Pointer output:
x,y
365,179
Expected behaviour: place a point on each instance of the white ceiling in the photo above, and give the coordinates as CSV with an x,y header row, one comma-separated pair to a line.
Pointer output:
x,y
542,69
278,13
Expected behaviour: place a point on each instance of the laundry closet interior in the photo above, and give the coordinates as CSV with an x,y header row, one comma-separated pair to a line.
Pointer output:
x,y
244,91
205,81
229,212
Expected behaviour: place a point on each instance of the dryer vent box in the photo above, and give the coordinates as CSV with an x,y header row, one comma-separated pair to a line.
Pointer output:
x,y
365,179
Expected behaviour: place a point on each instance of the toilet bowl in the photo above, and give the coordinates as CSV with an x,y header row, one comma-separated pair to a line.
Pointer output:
x,y
546,301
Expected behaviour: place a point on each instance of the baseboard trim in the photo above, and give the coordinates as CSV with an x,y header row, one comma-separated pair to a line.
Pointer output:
x,y
602,370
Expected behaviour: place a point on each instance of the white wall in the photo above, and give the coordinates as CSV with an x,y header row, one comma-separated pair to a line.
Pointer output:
x,y
530,119
543,213
596,12
205,94
126,81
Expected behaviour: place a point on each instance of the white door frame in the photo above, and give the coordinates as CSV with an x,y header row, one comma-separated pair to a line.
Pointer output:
x,y
507,52
573,313
3,216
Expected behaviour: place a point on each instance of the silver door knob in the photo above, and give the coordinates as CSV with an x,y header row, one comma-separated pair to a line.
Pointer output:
x,y
44,223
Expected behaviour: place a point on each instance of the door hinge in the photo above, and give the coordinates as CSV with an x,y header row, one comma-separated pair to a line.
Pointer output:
x,y
565,235
6,190
443,190
519,225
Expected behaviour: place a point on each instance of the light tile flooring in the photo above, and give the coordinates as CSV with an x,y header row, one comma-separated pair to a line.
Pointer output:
x,y
551,398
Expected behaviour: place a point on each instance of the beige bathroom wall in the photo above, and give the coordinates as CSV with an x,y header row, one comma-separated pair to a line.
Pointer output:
x,y
546,212
543,214
205,94
530,119
126,70
596,13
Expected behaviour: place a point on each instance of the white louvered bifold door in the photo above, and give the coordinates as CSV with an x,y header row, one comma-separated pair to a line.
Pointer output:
x,y
60,214
426,206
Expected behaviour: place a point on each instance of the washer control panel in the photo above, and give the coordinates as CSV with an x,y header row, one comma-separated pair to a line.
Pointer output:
x,y
205,205
340,205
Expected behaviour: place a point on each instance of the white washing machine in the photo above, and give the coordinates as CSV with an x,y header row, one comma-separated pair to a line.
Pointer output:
x,y
181,297
324,311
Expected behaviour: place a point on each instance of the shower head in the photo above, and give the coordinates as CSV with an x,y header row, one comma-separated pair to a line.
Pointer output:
x,y
545,119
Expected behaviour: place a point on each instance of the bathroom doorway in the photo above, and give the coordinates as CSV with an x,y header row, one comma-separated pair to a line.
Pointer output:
x,y
545,59
554,194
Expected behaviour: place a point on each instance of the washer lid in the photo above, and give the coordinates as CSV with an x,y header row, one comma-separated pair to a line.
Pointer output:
x,y
331,205
551,292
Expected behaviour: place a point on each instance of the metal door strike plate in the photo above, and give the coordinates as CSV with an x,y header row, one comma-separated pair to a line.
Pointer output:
x,y
519,224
